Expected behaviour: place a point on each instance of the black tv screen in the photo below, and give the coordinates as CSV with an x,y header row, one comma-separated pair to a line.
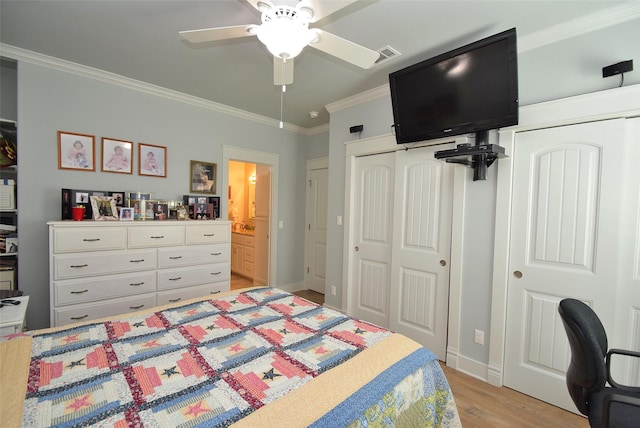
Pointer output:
x,y
469,89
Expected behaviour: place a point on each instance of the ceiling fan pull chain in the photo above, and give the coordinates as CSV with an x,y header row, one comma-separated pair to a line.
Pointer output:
x,y
284,89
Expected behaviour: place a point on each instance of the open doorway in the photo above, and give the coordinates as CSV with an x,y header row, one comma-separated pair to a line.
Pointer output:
x,y
241,211
252,181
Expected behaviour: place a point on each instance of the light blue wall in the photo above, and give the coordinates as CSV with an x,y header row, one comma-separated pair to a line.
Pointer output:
x,y
558,70
8,90
50,100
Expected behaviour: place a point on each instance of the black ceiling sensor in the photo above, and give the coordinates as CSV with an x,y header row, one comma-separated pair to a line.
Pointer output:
x,y
619,68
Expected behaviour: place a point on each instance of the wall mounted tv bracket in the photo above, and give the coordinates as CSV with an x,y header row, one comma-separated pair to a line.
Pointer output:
x,y
479,156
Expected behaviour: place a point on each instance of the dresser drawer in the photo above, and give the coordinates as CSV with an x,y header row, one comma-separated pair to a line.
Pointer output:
x,y
156,236
82,265
208,233
175,296
184,277
92,311
198,255
105,287
89,239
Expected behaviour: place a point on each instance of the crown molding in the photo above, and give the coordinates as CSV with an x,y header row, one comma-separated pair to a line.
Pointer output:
x,y
595,21
362,97
20,54
584,24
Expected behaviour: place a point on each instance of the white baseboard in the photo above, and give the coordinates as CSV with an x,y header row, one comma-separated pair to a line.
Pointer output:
x,y
295,286
467,365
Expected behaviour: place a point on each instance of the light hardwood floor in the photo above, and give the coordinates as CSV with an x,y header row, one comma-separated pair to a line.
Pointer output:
x,y
481,405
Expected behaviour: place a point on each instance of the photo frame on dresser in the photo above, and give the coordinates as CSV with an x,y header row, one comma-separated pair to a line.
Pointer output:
x,y
82,198
104,208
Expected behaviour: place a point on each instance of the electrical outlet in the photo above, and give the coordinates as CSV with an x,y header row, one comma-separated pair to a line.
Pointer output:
x,y
479,337
333,290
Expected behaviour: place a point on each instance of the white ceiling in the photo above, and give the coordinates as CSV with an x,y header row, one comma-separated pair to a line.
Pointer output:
x,y
139,40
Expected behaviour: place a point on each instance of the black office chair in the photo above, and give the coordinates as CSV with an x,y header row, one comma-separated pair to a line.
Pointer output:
x,y
612,405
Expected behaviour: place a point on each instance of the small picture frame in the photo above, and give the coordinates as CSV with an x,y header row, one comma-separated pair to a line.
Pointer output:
x,y
104,208
136,205
147,209
138,196
203,177
160,211
117,156
152,160
76,151
119,198
182,213
126,214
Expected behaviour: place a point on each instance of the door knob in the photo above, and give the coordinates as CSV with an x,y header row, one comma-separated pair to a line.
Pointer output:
x,y
356,248
517,274
443,262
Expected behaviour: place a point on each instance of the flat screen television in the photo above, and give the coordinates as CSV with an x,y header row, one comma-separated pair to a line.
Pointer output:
x,y
469,89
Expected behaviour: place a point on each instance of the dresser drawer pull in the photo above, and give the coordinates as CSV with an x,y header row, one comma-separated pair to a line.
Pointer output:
x,y
136,261
216,273
215,292
136,307
91,239
78,292
209,234
135,284
78,266
157,237
216,254
79,318
175,257
175,300
175,279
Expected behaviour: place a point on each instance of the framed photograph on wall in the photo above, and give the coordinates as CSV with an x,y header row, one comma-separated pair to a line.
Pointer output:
x,y
152,160
76,151
117,156
104,208
203,177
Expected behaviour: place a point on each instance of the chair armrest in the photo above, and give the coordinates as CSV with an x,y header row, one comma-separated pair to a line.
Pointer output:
x,y
627,353
617,398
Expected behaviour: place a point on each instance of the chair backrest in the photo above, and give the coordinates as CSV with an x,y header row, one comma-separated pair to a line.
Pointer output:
x,y
588,341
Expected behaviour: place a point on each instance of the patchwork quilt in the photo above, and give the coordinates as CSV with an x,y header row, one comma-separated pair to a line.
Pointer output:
x,y
261,357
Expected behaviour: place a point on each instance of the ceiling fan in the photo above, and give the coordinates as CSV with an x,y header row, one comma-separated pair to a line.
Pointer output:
x,y
285,32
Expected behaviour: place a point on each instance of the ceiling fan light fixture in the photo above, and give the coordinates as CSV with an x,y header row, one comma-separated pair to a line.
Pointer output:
x,y
284,32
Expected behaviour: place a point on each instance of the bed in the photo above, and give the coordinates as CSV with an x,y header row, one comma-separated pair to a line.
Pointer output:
x,y
258,357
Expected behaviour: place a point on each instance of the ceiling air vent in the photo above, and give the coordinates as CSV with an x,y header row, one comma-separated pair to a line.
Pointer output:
x,y
387,53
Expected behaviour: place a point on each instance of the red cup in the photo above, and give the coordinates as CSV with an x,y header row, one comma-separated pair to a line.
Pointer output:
x,y
77,213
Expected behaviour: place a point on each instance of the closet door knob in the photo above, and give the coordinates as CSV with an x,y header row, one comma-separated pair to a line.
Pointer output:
x,y
356,248
517,274
443,262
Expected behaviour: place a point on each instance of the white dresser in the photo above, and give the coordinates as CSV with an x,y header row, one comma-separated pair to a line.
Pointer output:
x,y
99,269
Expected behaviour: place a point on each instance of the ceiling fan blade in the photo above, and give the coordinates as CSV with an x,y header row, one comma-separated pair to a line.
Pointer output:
x,y
344,49
219,33
280,76
323,8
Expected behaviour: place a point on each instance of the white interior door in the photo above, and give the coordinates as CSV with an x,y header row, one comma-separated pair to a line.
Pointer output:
x,y
564,242
372,225
316,236
423,201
